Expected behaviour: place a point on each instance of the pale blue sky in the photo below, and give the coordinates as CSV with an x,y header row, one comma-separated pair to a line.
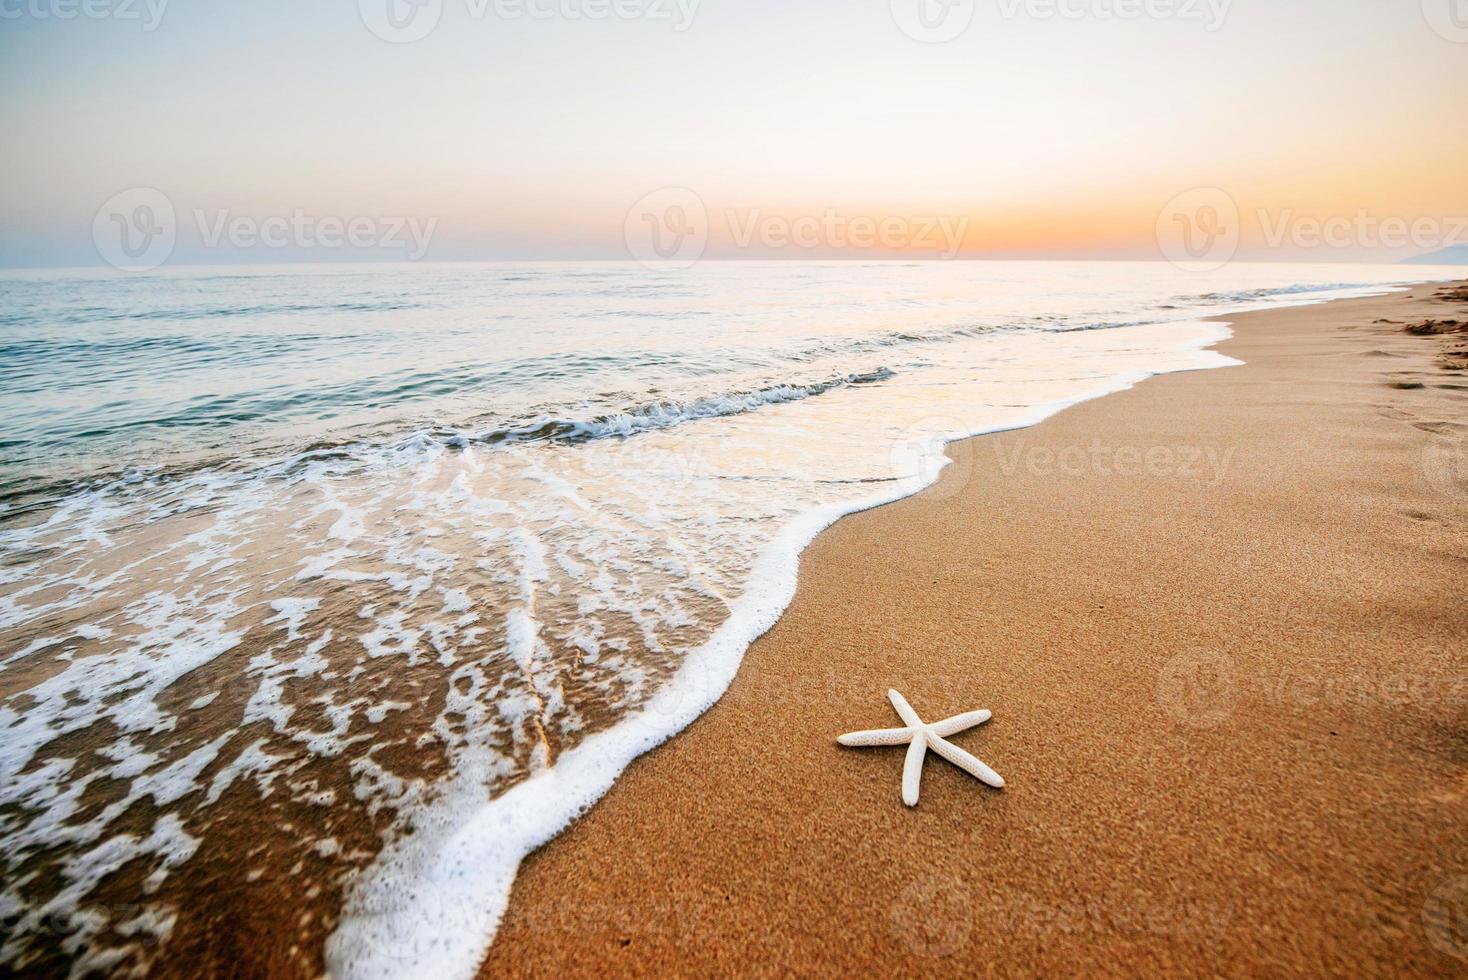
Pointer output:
x,y
531,138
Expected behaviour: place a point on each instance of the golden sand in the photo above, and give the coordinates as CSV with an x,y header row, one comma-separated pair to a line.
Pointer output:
x,y
1220,622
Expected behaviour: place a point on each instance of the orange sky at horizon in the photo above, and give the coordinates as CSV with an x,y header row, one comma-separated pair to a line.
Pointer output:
x,y
533,139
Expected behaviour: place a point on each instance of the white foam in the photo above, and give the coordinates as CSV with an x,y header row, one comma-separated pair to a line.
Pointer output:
x,y
418,590
433,900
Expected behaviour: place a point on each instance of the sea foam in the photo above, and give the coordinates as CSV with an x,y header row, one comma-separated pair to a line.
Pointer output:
x,y
373,673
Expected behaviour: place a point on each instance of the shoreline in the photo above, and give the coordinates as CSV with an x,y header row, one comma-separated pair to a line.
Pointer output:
x,y
385,852
566,929
368,941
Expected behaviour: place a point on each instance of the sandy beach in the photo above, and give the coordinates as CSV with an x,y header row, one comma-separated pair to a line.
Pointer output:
x,y
1219,621
531,489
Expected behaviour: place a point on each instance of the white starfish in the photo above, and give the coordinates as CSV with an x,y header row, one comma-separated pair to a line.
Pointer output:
x,y
921,737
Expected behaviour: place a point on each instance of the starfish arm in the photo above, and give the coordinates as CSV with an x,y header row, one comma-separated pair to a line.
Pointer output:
x,y
960,723
912,770
909,717
966,762
882,736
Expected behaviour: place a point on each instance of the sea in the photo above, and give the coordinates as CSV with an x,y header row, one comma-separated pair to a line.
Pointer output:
x,y
329,592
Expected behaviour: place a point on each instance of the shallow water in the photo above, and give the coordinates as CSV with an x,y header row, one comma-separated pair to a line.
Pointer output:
x,y
295,561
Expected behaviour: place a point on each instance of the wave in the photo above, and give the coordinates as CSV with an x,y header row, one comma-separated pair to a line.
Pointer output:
x,y
149,315
403,527
1246,295
417,913
24,497
81,444
665,414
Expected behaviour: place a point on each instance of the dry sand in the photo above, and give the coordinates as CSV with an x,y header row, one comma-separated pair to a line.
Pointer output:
x,y
1229,700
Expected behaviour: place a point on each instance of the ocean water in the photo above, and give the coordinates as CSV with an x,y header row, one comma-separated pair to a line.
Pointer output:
x,y
327,593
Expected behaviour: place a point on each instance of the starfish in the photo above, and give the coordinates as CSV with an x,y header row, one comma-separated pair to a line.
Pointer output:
x,y
920,737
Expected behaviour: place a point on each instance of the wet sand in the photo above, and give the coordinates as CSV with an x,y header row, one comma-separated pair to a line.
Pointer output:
x,y
1220,621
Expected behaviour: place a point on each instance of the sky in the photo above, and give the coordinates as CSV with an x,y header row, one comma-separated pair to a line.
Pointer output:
x,y
566,129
